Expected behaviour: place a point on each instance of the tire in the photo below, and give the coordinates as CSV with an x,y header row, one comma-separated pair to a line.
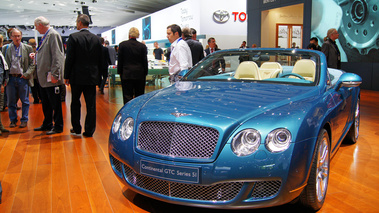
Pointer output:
x,y
313,195
352,135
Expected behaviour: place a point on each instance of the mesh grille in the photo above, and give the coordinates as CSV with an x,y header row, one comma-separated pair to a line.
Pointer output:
x,y
177,139
117,164
218,192
148,183
264,189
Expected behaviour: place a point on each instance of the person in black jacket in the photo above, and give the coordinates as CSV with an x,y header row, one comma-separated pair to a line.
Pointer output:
x,y
315,45
4,73
218,65
82,72
104,66
330,49
132,66
212,46
197,50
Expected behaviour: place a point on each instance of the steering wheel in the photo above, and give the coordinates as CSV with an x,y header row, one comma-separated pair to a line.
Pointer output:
x,y
292,74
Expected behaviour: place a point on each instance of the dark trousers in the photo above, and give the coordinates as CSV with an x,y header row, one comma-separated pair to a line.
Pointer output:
x,y
104,76
52,108
1,192
132,88
35,91
89,92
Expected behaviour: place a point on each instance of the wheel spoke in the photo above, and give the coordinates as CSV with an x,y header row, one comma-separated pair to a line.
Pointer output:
x,y
322,169
356,122
323,153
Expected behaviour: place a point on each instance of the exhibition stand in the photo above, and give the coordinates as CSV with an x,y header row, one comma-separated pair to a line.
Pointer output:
x,y
154,75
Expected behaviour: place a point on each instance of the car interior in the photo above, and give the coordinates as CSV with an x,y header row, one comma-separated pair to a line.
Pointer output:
x,y
280,67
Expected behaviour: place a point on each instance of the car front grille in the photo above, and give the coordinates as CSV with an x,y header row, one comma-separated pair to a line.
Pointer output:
x,y
177,139
221,192
217,192
117,164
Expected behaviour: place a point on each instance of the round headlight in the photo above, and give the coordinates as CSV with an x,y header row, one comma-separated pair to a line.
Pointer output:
x,y
246,142
116,123
278,140
126,129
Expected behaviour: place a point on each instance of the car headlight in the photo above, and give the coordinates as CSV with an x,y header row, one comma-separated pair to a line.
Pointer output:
x,y
278,140
126,129
246,142
116,123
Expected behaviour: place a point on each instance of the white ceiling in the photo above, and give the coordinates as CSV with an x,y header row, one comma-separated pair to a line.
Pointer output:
x,y
104,13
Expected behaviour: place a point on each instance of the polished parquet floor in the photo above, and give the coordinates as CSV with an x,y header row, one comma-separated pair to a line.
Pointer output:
x,y
65,173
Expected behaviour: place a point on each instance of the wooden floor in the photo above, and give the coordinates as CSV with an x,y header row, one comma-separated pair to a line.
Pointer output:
x,y
64,173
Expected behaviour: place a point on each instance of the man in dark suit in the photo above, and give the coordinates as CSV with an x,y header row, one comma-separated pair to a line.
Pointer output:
x,y
197,50
132,66
112,53
218,65
82,72
212,46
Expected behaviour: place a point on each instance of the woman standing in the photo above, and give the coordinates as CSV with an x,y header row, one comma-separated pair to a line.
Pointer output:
x,y
132,66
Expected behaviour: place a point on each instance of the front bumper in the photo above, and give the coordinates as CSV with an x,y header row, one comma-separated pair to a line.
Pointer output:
x,y
261,180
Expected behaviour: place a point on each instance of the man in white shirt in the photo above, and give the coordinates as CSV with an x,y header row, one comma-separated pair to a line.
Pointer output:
x,y
181,58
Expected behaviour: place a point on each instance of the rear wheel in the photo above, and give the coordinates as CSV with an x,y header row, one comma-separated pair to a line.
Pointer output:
x,y
352,135
314,193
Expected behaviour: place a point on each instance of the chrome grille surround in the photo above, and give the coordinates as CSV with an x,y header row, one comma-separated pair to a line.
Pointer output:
x,y
177,139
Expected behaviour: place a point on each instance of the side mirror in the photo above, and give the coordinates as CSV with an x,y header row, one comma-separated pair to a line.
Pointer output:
x,y
348,80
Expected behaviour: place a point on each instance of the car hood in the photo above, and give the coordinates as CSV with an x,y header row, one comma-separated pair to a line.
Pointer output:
x,y
217,103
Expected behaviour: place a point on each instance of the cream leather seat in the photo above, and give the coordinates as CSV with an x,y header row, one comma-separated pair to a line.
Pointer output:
x,y
305,68
247,70
270,70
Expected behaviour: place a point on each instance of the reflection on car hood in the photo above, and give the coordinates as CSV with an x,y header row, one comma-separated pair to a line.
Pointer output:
x,y
218,101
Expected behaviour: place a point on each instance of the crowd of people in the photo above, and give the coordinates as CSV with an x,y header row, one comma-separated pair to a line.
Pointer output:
x,y
24,66
83,66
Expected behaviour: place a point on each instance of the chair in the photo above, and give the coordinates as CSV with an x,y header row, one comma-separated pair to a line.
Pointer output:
x,y
270,70
305,68
150,80
247,70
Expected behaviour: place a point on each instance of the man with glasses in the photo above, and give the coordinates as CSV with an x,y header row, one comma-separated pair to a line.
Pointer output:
x,y
50,61
21,69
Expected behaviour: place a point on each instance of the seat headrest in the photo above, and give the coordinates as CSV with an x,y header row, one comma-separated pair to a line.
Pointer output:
x,y
270,70
271,65
305,68
247,70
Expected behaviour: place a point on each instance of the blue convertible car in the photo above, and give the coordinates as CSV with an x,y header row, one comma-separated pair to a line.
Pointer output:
x,y
245,128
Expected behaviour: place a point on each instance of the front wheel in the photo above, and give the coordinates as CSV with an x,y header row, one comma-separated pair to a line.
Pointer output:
x,y
314,193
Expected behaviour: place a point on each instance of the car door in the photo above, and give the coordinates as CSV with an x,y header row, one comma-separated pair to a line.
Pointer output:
x,y
342,100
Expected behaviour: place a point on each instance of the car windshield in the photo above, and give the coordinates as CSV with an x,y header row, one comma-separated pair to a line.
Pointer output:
x,y
288,66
